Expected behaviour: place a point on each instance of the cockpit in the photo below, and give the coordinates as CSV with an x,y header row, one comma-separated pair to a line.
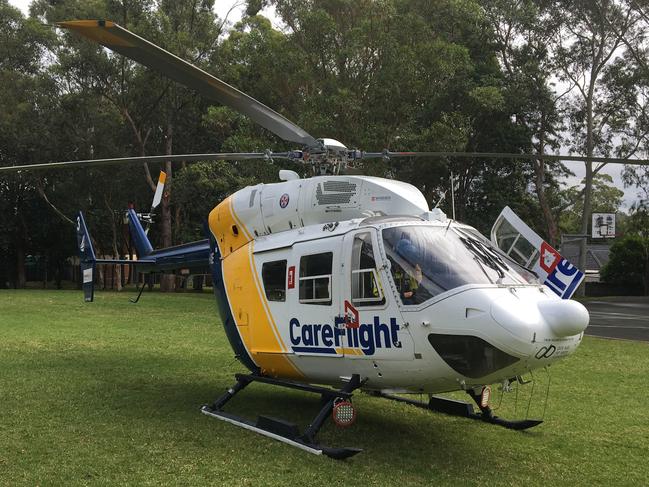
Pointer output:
x,y
428,260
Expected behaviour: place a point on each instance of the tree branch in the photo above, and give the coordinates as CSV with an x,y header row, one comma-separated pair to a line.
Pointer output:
x,y
41,192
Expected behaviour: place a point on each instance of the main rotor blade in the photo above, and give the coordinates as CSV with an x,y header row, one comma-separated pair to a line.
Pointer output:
x,y
124,42
498,155
229,156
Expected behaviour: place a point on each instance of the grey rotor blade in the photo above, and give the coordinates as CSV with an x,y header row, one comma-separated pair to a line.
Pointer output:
x,y
497,155
229,156
124,42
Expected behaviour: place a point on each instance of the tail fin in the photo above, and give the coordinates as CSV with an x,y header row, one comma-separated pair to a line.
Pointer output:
x,y
142,244
157,197
88,260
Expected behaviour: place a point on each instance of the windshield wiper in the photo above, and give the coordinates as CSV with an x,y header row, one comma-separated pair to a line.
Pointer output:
x,y
485,255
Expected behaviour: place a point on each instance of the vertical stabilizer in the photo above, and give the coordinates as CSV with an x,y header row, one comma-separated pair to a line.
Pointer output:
x,y
142,244
88,260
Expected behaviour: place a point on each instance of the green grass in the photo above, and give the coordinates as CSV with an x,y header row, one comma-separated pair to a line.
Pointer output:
x,y
109,393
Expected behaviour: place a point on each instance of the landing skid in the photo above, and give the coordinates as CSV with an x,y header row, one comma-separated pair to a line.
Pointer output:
x,y
282,430
464,409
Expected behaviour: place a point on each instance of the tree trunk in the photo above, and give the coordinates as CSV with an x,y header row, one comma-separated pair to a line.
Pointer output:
x,y
21,277
550,223
588,186
20,243
539,172
116,269
645,278
167,281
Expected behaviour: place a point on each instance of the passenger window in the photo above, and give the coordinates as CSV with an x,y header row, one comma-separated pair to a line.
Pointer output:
x,y
366,286
274,276
315,278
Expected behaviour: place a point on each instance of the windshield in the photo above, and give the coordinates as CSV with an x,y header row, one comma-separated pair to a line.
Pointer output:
x,y
426,261
525,272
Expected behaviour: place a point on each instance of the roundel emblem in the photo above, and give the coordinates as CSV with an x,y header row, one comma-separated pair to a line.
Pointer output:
x,y
283,201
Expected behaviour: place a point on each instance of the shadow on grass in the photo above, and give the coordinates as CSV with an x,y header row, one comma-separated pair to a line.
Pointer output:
x,y
385,430
151,392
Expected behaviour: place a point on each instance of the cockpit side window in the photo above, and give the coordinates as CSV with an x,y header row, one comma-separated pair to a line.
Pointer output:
x,y
408,279
366,285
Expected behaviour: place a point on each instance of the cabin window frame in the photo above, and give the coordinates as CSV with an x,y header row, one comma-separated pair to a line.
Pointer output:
x,y
357,269
267,290
304,280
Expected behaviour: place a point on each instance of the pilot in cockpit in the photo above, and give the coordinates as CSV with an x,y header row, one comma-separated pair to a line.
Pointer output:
x,y
408,274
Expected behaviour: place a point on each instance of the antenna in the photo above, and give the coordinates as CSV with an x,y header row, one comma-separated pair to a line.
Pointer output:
x,y
453,194
441,199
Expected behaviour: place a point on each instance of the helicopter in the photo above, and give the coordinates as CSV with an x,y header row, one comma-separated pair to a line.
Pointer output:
x,y
338,283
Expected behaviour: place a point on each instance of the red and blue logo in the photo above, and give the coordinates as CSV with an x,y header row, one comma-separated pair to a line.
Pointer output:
x,y
283,201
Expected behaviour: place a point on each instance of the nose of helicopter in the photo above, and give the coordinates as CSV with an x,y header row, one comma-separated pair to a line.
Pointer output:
x,y
565,317
523,317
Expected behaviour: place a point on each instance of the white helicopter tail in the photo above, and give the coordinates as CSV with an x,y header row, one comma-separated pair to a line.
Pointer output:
x,y
512,235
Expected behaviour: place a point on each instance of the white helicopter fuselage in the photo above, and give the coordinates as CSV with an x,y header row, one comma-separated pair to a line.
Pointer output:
x,y
339,275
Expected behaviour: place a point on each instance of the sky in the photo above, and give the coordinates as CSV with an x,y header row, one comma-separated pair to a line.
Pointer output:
x,y
234,9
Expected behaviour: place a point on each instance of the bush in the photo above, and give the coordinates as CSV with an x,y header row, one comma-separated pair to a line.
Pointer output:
x,y
629,262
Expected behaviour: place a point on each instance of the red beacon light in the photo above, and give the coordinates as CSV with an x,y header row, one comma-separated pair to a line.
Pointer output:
x,y
343,413
485,396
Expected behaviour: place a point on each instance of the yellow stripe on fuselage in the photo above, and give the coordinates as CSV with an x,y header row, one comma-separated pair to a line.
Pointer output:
x,y
246,296
230,234
260,290
256,327
349,351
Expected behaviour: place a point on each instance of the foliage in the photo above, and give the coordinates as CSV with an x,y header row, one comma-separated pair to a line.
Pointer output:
x,y
465,75
213,182
523,30
433,85
606,198
26,113
638,219
629,262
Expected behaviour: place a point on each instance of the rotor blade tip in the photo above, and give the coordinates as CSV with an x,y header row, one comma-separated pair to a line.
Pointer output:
x,y
84,24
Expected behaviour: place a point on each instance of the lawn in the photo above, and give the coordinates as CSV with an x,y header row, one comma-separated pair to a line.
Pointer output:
x,y
109,393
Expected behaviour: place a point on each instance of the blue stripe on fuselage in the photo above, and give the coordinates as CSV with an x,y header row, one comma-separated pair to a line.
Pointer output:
x,y
223,307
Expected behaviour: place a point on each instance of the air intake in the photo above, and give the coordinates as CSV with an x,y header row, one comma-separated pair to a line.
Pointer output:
x,y
335,192
470,356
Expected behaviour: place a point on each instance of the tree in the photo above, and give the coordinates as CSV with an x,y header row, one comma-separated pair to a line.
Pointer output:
x,y
606,198
523,30
629,262
25,103
591,33
435,85
162,116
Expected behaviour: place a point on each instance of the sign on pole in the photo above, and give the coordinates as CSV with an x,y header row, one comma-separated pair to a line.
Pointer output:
x,y
603,225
